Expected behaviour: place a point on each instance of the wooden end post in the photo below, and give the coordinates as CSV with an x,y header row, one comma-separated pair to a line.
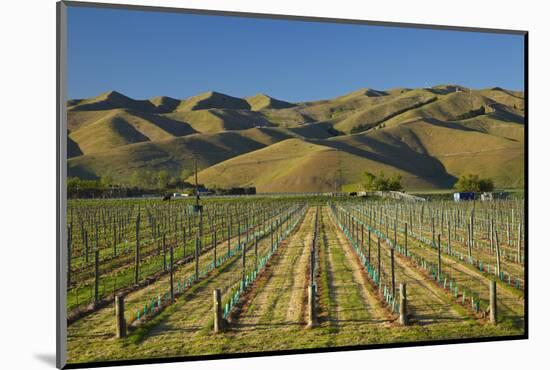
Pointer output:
x,y
312,319
403,318
120,320
218,318
493,301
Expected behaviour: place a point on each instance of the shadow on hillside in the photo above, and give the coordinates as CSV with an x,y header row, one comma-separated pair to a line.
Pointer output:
x,y
400,156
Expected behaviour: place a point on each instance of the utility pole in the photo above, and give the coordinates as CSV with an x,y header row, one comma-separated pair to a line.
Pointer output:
x,y
197,209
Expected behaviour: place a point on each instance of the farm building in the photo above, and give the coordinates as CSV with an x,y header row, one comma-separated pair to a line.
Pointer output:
x,y
180,195
487,196
467,195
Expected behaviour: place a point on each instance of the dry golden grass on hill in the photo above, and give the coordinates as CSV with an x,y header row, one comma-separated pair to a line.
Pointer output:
x,y
429,136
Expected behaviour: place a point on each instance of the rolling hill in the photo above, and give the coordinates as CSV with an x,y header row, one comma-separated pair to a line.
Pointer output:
x,y
119,127
212,99
215,120
430,136
262,101
426,153
175,154
112,100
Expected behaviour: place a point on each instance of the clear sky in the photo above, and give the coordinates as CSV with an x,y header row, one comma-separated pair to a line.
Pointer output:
x,y
146,54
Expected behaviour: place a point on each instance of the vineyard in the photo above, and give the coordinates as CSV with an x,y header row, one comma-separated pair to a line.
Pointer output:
x,y
148,278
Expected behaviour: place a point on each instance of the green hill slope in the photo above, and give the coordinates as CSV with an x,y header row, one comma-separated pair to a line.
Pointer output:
x,y
119,127
279,167
296,165
456,106
174,154
427,154
372,116
428,147
430,136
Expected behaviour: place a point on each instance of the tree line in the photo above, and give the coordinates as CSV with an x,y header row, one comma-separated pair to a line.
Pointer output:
x,y
466,183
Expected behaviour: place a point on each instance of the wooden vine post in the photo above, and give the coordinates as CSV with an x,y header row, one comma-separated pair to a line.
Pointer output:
x,y
164,251
378,265
449,251
229,236
362,237
197,210
403,318
312,313
96,270
392,256
171,274
244,262
519,244
69,249
492,231
271,236
238,233
197,253
469,241
218,318
136,261
86,250
215,244
120,320
493,301
256,252
433,232
406,239
497,245
368,251
114,240
395,233
438,257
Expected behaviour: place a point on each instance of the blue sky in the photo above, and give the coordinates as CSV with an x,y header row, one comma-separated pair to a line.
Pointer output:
x,y
146,54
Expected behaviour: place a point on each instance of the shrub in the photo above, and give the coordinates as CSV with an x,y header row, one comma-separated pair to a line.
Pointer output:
x,y
381,182
474,183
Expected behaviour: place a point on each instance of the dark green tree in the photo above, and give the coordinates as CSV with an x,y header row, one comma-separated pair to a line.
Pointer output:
x,y
474,183
135,179
162,179
368,182
106,180
381,182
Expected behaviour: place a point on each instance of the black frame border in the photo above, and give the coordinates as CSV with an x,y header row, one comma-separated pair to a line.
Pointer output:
x,y
61,163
